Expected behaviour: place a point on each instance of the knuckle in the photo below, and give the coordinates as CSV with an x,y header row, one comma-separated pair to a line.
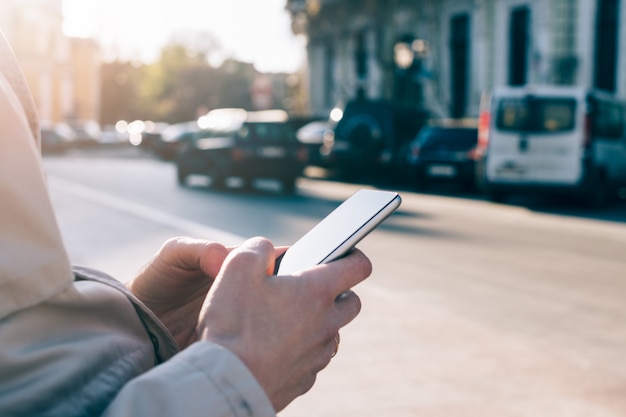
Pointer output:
x,y
173,243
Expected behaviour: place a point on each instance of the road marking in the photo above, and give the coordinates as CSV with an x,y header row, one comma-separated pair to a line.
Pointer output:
x,y
109,200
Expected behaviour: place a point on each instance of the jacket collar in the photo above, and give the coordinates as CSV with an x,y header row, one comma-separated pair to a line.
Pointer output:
x,y
33,261
10,68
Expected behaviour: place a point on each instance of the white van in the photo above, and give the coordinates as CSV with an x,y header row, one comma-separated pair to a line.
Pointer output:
x,y
552,139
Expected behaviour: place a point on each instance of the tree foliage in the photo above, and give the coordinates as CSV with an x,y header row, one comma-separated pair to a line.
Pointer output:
x,y
120,97
178,87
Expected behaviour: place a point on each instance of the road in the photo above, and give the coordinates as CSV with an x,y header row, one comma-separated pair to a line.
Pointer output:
x,y
473,309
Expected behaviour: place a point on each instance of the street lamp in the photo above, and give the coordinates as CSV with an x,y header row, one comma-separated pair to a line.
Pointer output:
x,y
407,53
403,55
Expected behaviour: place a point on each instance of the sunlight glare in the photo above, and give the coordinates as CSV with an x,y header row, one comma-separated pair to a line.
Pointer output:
x,y
247,30
79,17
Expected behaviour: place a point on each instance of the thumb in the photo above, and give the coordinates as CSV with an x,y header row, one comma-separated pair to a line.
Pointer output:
x,y
244,262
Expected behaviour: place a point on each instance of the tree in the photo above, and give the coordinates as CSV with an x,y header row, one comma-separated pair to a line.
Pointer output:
x,y
180,86
119,86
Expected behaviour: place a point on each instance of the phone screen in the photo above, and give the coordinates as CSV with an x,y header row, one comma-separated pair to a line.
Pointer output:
x,y
341,230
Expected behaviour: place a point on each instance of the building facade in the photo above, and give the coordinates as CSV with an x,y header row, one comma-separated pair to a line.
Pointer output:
x,y
62,73
442,55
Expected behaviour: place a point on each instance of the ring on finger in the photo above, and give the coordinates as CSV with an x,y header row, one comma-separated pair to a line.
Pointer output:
x,y
336,339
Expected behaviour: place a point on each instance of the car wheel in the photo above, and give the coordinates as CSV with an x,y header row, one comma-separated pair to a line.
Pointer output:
x,y
496,196
348,173
400,169
420,182
599,193
469,185
181,175
218,182
289,185
247,183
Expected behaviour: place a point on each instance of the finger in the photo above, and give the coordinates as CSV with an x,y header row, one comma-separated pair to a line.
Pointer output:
x,y
325,353
347,308
281,249
335,345
255,254
191,254
341,275
211,257
278,256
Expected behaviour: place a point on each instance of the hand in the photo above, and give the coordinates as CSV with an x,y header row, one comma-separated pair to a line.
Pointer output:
x,y
281,327
175,283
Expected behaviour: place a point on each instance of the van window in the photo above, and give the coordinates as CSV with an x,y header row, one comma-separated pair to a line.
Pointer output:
x,y
536,115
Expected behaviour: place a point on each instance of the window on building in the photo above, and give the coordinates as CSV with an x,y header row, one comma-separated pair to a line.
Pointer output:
x,y
460,65
519,31
329,76
360,55
607,19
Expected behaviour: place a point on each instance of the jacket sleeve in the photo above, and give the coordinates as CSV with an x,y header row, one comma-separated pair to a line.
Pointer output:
x,y
203,380
94,350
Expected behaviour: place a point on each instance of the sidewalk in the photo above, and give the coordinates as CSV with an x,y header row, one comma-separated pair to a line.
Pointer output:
x,y
408,356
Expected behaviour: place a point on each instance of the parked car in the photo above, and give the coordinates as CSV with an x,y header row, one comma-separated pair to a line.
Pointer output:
x,y
111,136
152,134
312,135
247,145
171,139
443,153
56,137
87,132
367,136
551,139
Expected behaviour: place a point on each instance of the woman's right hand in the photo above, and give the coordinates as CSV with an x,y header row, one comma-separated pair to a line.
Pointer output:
x,y
282,327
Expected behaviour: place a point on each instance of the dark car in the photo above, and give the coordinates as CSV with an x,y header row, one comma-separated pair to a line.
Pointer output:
x,y
312,135
56,137
367,136
168,142
246,145
152,134
443,153
87,132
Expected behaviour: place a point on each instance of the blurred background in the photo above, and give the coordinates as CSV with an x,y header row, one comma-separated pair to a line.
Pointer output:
x,y
230,119
169,61
366,76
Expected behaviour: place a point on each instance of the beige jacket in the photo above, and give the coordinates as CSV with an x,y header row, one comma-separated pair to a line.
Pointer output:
x,y
76,342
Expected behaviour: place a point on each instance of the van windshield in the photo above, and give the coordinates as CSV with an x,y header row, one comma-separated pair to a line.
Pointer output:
x,y
536,115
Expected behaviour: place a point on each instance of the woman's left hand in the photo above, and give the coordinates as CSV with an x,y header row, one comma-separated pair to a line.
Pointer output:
x,y
175,282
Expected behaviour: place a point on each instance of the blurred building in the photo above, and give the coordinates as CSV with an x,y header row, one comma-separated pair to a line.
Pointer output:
x,y
85,65
443,54
63,73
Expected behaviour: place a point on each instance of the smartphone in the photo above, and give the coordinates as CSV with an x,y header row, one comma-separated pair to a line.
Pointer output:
x,y
340,231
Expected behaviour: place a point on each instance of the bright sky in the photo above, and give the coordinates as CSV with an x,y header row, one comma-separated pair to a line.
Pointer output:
x,y
255,31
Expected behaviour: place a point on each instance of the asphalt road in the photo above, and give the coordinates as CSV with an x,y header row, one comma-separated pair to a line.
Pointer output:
x,y
473,309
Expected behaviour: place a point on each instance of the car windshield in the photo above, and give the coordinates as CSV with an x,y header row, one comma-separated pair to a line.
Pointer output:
x,y
215,133
457,138
537,115
266,132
